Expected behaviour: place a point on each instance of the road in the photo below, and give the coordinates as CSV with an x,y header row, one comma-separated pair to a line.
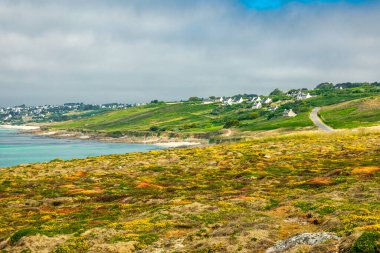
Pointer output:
x,y
318,122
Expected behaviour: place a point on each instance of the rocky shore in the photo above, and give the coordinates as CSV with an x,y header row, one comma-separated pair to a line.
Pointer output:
x,y
163,141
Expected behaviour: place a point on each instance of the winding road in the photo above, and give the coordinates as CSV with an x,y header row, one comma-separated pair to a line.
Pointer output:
x,y
318,122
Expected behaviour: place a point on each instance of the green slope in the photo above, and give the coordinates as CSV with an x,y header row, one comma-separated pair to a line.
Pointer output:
x,y
195,117
356,113
301,120
181,116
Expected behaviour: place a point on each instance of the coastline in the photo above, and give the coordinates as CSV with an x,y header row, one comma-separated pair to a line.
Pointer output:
x,y
164,142
19,127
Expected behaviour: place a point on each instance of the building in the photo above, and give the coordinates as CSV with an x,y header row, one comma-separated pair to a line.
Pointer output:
x,y
289,113
273,108
303,96
267,101
257,105
255,99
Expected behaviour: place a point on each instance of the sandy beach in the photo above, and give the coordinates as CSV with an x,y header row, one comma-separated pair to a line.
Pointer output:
x,y
177,144
19,127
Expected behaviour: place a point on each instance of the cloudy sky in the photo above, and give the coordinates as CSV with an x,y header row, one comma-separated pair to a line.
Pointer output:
x,y
53,52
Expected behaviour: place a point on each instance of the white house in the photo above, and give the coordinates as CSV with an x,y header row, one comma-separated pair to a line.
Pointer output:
x,y
228,101
289,113
302,96
231,101
255,99
257,105
215,100
238,100
273,108
267,101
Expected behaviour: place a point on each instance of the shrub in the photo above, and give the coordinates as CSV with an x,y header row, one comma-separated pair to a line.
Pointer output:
x,y
368,242
154,128
21,233
115,134
77,245
254,115
231,123
273,203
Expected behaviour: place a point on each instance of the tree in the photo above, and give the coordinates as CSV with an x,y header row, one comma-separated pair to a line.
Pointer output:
x,y
194,99
277,92
325,86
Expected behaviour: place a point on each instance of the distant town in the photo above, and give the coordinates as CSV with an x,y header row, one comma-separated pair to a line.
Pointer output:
x,y
53,113
22,114
56,113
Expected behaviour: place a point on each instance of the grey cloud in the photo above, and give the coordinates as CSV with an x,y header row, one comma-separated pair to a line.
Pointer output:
x,y
135,51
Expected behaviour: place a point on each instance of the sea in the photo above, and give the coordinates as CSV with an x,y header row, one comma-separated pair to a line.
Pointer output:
x,y
19,148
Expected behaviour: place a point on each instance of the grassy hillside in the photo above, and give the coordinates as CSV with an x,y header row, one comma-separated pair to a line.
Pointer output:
x,y
262,123
240,197
181,116
360,112
195,117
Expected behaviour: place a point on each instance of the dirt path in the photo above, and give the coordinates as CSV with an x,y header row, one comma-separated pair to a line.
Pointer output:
x,y
318,122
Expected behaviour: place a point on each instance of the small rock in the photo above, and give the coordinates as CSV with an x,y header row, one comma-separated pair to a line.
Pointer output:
x,y
301,239
89,180
32,203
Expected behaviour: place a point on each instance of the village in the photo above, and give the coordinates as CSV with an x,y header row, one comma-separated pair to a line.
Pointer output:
x,y
51,113
262,102
54,113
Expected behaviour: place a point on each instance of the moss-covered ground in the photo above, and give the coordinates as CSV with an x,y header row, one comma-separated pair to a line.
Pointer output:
x,y
222,198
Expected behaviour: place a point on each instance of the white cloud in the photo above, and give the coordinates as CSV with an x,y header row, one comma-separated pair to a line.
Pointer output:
x,y
54,52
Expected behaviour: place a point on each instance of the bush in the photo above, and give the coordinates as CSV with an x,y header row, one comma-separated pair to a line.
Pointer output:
x,y
188,126
248,116
271,116
154,128
115,134
21,233
254,115
368,242
195,99
231,123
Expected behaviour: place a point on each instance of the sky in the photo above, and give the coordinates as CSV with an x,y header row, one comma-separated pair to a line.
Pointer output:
x,y
52,52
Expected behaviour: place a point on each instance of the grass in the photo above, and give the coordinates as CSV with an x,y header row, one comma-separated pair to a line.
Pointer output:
x,y
301,120
215,197
184,116
356,113
192,118
181,117
340,96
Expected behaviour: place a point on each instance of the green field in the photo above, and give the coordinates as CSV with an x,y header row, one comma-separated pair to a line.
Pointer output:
x,y
301,120
175,117
182,117
356,113
191,118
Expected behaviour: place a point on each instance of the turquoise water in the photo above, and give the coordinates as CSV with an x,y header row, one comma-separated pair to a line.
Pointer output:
x,y
16,148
